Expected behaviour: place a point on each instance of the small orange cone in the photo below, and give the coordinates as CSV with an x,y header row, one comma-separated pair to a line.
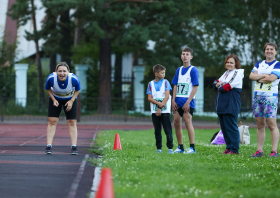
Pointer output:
x,y
117,145
106,188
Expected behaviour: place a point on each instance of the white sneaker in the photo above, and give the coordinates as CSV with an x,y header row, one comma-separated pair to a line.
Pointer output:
x,y
190,151
159,151
178,150
170,151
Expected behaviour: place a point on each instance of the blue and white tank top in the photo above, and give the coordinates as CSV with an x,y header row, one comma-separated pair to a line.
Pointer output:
x,y
60,92
159,96
184,86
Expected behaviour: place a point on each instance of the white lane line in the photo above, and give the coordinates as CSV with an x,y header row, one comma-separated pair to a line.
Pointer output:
x,y
4,151
95,181
32,140
94,135
76,181
97,173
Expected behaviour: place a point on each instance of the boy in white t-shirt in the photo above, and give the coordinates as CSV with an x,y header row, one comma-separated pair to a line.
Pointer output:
x,y
185,84
160,102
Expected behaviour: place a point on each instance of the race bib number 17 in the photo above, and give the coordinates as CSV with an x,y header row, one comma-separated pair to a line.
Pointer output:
x,y
182,89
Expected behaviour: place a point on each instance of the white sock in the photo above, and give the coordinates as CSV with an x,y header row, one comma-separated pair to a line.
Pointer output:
x,y
49,145
74,145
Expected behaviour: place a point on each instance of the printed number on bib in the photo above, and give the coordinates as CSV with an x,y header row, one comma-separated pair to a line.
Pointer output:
x,y
263,86
182,89
155,107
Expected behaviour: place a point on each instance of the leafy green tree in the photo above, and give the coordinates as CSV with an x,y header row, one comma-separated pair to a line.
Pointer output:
x,y
262,19
58,30
22,12
126,24
7,78
106,21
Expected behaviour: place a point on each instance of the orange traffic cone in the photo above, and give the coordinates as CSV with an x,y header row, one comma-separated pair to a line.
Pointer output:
x,y
106,188
117,145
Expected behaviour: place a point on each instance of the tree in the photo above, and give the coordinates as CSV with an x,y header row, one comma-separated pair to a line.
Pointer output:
x,y
106,21
262,27
49,33
7,54
58,30
21,11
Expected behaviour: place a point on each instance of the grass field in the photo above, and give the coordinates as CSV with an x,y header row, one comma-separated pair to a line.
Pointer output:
x,y
138,171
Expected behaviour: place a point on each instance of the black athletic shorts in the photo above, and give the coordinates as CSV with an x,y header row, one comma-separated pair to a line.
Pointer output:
x,y
54,111
181,111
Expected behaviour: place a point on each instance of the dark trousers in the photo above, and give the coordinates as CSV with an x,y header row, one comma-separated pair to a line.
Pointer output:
x,y
230,131
165,121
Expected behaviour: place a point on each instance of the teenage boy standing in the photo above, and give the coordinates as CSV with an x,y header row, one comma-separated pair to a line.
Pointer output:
x,y
185,87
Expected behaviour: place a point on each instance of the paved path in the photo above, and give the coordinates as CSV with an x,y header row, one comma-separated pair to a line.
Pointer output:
x,y
26,171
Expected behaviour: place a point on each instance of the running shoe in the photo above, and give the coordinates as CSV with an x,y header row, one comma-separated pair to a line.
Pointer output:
x,y
259,153
273,154
74,150
170,151
226,151
48,150
178,150
159,151
190,151
231,152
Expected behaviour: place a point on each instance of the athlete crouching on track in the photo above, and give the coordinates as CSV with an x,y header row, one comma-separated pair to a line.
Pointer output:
x,y
63,88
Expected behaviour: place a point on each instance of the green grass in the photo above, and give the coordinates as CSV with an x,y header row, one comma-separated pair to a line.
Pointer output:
x,y
140,172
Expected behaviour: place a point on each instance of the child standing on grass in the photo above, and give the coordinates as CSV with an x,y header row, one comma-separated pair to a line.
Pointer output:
x,y
159,96
185,84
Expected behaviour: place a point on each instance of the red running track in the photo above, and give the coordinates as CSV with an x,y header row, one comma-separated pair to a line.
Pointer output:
x,y
26,171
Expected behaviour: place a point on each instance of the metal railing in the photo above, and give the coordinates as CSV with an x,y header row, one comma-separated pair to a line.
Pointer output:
x,y
91,109
36,109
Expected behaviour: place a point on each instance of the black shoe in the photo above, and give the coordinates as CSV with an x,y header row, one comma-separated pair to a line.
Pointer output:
x,y
74,150
48,150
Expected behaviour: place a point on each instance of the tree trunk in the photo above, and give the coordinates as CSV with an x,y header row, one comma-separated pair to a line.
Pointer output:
x,y
77,40
66,41
252,36
38,59
104,102
118,76
78,30
52,63
271,35
53,60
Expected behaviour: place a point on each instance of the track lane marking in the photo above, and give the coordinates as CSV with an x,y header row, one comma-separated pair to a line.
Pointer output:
x,y
32,140
75,184
97,172
35,162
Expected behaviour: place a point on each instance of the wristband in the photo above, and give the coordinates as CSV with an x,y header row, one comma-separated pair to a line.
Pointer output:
x,y
159,108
